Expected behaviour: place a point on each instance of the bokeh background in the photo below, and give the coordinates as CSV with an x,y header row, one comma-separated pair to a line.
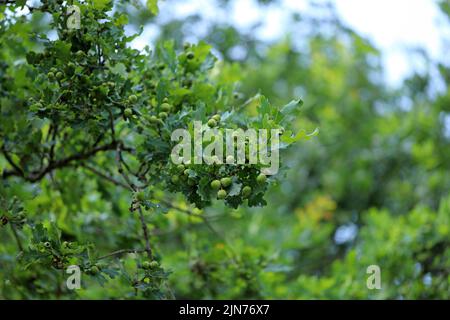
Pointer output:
x,y
373,188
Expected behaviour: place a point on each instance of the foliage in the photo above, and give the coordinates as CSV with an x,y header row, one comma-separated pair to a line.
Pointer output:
x,y
86,100
86,169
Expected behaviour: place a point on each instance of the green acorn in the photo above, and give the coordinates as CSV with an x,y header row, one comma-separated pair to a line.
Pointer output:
x,y
212,123
162,115
261,179
226,182
51,76
153,119
154,264
215,184
246,191
221,194
94,270
216,117
59,75
166,107
132,98
146,265
175,179
181,167
128,112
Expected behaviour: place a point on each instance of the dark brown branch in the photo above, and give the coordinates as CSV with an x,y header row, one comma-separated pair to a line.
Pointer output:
x,y
120,252
11,162
36,176
119,161
146,236
106,177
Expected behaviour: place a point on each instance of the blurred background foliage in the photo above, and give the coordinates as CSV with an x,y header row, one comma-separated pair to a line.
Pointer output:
x,y
371,189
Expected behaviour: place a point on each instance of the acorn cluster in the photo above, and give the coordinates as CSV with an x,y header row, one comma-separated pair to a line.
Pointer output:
x,y
231,183
156,116
75,79
214,121
79,87
150,265
224,183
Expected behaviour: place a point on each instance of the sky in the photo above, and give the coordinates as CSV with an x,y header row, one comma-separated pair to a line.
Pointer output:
x,y
393,25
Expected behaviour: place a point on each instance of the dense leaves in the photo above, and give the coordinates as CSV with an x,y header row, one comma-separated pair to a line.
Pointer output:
x,y
88,101
85,134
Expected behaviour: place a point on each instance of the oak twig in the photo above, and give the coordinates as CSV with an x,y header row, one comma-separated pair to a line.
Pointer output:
x,y
120,252
16,236
146,236
36,176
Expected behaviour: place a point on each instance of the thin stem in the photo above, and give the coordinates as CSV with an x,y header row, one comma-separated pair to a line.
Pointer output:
x,y
125,163
106,177
11,162
120,252
119,165
36,176
206,222
145,231
16,236
111,125
183,210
